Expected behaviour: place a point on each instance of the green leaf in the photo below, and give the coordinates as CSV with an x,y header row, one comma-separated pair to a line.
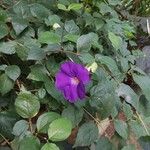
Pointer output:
x,y
71,37
104,143
20,127
22,51
49,38
98,23
7,121
44,121
50,146
111,64
127,110
38,73
36,53
85,42
3,30
52,19
62,7
86,58
75,6
6,84
59,129
27,105
115,40
19,24
3,15
128,94
39,11
87,134
71,27
74,114
13,72
129,147
143,82
121,128
30,142
8,47
50,87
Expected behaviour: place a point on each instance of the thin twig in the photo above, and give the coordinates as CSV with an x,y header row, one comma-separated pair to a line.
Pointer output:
x,y
5,139
142,122
96,120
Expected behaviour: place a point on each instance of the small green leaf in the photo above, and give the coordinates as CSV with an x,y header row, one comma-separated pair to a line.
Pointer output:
x,y
27,105
6,84
49,38
71,37
50,146
115,40
73,114
36,53
86,58
59,129
20,127
127,110
87,134
71,27
75,6
13,72
44,121
121,128
3,30
8,47
62,7
52,19
38,73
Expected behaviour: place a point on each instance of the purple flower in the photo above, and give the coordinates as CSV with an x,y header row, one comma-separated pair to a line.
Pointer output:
x,y
70,80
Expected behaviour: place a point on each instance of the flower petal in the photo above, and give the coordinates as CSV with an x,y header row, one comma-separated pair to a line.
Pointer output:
x,y
81,90
82,73
67,68
70,93
62,80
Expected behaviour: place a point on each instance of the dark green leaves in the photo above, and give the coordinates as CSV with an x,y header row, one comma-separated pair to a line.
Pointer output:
x,y
27,105
59,129
87,134
3,30
6,84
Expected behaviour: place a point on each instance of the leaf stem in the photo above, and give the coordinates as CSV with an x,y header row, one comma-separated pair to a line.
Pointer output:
x,y
30,125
